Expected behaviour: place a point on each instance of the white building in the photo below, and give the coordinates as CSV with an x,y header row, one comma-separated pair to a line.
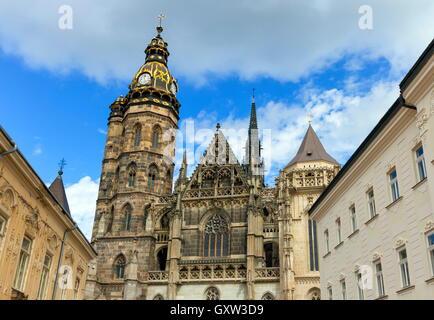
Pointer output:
x,y
376,218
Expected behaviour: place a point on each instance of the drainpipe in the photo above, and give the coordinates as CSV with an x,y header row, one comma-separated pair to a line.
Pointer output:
x,y
60,259
14,148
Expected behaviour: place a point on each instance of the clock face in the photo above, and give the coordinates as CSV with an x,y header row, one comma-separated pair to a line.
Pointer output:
x,y
145,78
173,87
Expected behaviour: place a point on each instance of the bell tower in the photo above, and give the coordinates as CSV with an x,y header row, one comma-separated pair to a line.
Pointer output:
x,y
137,170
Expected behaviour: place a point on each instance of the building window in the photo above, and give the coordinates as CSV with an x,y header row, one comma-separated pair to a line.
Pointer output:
x,y
380,280
76,288
268,296
394,185
42,291
20,275
156,133
330,292
420,160
326,240
431,251
212,294
313,246
152,177
339,231
127,217
216,237
353,217
132,175
120,267
344,290
403,265
371,203
137,135
360,286
158,297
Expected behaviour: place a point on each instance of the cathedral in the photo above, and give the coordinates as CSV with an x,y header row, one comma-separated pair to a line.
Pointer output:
x,y
218,233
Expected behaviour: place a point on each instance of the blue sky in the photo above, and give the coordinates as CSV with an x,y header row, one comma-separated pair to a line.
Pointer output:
x,y
57,85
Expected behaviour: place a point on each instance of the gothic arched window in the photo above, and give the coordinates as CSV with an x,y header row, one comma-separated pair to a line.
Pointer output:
x,y
156,133
162,258
132,175
127,217
145,216
120,263
158,297
152,176
268,296
216,237
110,222
212,293
137,134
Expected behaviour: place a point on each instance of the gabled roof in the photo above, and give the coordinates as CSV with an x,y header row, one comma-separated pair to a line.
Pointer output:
x,y
311,149
219,151
58,190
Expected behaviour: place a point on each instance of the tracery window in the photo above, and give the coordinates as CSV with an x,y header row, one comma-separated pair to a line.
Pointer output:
x,y
156,133
212,293
132,175
120,267
268,296
137,135
216,237
127,217
152,177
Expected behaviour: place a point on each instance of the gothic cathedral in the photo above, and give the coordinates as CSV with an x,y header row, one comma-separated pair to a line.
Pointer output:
x,y
217,234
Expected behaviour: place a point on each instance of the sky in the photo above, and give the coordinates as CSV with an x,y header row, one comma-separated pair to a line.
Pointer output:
x,y
62,63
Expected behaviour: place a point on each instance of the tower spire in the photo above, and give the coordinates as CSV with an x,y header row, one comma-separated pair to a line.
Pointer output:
x,y
253,163
253,121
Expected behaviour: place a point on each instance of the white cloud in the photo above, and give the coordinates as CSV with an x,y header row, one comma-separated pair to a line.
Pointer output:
x,y
82,197
342,119
281,39
102,131
37,150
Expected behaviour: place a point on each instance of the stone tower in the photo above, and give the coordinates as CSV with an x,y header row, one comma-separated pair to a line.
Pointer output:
x,y
137,170
298,186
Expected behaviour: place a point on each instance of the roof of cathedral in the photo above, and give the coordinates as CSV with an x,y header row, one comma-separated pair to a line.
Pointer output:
x,y
311,149
219,151
58,190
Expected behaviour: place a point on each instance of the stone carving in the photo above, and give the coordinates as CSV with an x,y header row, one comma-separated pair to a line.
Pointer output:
x,y
376,256
400,242
33,219
429,226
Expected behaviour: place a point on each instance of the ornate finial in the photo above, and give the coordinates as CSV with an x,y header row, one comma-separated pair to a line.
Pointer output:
x,y
218,126
309,118
159,27
62,165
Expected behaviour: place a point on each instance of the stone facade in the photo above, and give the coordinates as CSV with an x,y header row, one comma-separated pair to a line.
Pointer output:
x,y
37,234
218,233
378,213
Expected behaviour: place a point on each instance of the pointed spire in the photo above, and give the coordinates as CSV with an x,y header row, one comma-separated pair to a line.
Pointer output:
x,y
253,121
183,174
311,149
57,188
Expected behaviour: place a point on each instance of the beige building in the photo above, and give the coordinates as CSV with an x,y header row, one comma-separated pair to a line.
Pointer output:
x,y
376,218
38,236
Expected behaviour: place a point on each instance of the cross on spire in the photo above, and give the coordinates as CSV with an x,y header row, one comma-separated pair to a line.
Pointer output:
x,y
309,117
161,16
62,165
